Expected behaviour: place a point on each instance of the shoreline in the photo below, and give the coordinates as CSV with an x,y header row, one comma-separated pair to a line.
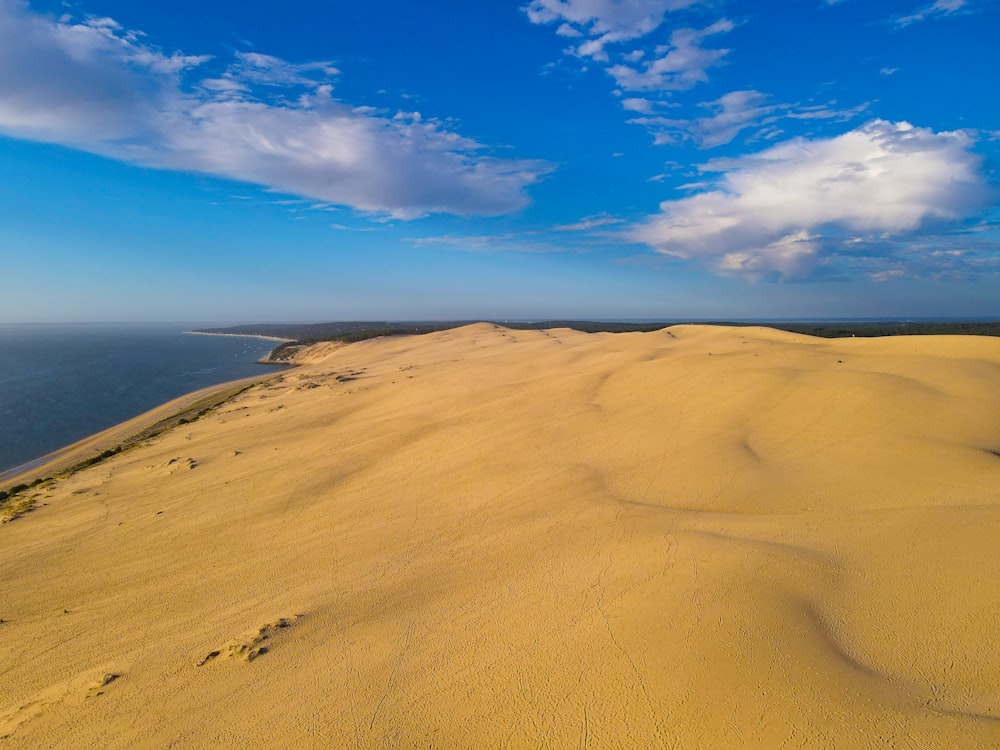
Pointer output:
x,y
239,335
123,433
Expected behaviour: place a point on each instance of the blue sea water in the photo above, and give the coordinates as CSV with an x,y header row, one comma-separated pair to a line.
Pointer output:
x,y
61,383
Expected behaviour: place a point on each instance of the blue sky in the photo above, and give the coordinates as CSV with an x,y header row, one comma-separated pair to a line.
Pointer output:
x,y
339,159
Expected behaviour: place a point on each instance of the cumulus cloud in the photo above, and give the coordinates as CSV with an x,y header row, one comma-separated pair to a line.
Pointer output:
x,y
677,66
92,85
602,22
809,206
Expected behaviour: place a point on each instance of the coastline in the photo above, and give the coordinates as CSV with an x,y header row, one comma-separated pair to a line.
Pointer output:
x,y
239,335
125,433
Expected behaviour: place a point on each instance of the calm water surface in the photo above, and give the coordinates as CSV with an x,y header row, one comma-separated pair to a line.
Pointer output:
x,y
61,383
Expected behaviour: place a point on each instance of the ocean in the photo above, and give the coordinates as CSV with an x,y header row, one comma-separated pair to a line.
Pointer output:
x,y
62,383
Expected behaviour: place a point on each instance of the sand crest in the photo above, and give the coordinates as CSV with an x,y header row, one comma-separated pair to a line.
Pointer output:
x,y
699,537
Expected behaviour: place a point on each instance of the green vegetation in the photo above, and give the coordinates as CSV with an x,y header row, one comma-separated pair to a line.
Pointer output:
x,y
842,330
97,459
15,501
282,354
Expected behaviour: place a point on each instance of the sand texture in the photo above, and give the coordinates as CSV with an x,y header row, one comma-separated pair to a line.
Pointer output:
x,y
696,538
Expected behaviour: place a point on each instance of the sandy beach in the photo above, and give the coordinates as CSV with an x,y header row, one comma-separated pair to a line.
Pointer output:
x,y
701,537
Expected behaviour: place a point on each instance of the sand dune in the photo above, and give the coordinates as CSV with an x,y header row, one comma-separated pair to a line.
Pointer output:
x,y
696,538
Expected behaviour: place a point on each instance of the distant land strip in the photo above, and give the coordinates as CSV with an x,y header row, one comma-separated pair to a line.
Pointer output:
x,y
297,335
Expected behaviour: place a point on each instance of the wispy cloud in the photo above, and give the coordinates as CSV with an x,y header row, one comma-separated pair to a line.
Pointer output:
x,y
250,69
809,206
602,22
646,76
522,242
735,112
92,85
587,223
347,228
601,25
579,236
677,66
937,9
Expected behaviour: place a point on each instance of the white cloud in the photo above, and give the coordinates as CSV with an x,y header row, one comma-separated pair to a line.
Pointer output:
x,y
602,21
731,113
577,237
568,31
96,87
933,10
603,25
888,71
638,105
786,211
78,82
523,243
734,112
677,66
253,67
587,223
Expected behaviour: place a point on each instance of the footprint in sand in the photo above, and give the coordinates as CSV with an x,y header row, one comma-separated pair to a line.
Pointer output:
x,y
253,645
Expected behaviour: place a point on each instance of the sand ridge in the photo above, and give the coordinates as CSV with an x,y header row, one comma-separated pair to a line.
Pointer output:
x,y
697,537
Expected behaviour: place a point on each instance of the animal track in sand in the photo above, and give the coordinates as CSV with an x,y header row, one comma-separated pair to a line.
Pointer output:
x,y
250,647
86,686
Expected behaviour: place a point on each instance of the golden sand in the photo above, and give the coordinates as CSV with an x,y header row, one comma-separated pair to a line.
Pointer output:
x,y
696,538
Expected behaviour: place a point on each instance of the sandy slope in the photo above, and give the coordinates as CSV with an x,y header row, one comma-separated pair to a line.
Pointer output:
x,y
701,537
75,453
